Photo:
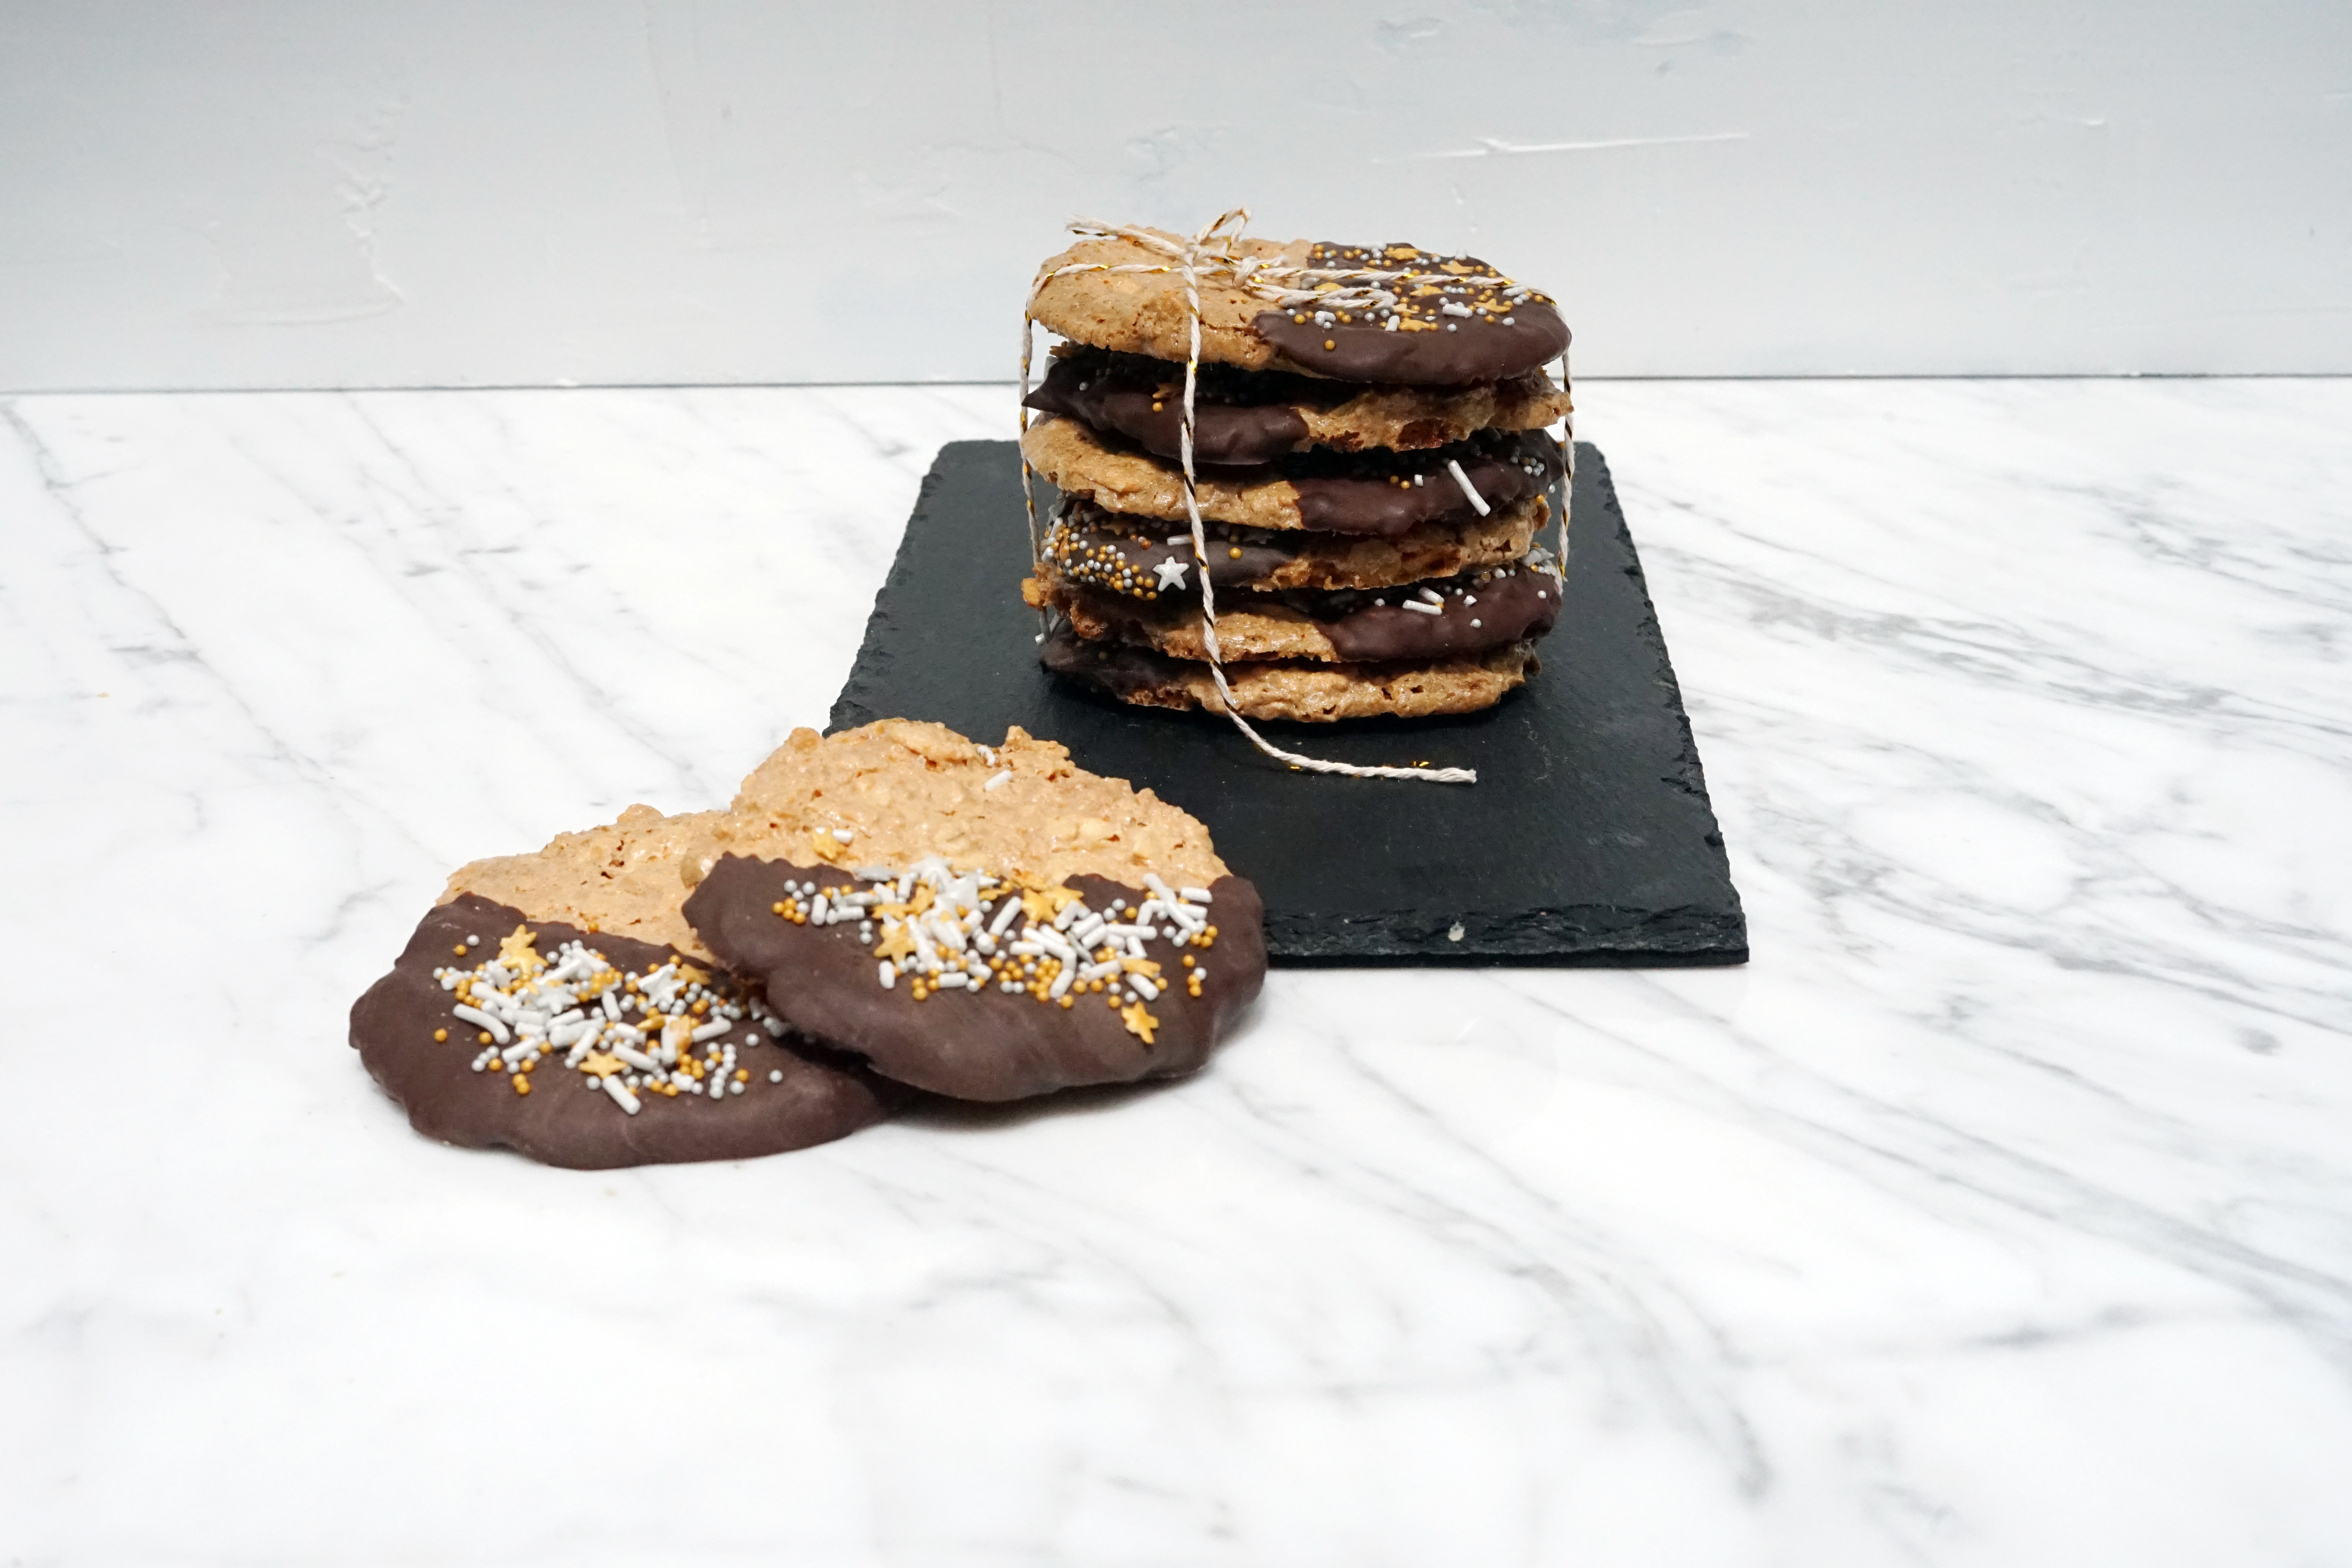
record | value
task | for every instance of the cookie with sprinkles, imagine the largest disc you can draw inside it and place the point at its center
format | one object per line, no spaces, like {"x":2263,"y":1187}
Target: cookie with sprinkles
{"x":1305,"y":691}
{"x":1469,"y":613}
{"x":1389,"y":313}
{"x":1383,"y":493}
{"x":1139,"y":556}
{"x":990,"y":922}
{"x":560,"y":1006}
{"x":1244,"y":417}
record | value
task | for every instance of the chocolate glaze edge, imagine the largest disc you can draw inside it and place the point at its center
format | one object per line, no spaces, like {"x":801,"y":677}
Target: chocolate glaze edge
{"x":1477,"y":352}
{"x":559,"y":1123}
{"x":987,"y":1046}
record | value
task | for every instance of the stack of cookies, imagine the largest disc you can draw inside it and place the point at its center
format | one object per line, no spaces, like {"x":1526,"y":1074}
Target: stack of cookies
{"x":1369,"y":458}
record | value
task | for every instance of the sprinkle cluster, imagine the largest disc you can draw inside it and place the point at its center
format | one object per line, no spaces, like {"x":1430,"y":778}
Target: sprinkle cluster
{"x":946,"y":931}
{"x":1101,"y":561}
{"x":1399,"y":289}
{"x":664,"y":1032}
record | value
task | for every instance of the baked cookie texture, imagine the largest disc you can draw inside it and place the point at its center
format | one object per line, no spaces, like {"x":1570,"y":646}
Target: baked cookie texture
{"x":990,"y":922}
{"x":626,"y":878}
{"x":1306,"y":692}
{"x":429,"y":1059}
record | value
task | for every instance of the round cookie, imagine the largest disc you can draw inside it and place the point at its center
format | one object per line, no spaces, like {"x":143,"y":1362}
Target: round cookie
{"x":1314,"y":693}
{"x":1469,"y":614}
{"x":985,"y":923}
{"x":1247,"y":418}
{"x":635,"y":1090}
{"x":1131,"y":555}
{"x":1379,"y":493}
{"x":1456,"y":322}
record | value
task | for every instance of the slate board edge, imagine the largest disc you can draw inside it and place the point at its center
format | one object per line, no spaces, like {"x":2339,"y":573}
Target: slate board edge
{"x":1592,"y":937}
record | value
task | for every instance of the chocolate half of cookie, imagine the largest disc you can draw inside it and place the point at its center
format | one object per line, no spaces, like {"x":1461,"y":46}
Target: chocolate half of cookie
{"x":1298,"y":689}
{"x":591,"y":1050}
{"x":1244,"y":417}
{"x":1456,"y":321}
{"x":1142,"y":559}
{"x":986,"y":988}
{"x":1469,"y":613}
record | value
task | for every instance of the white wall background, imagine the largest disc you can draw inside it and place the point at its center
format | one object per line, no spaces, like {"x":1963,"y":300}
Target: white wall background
{"x":478,"y":191}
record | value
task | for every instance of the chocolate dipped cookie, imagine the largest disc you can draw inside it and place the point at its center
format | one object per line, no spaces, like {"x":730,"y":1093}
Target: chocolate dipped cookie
{"x":989,"y":922}
{"x":1449,"y":320}
{"x":560,"y":1006}
{"x":1244,"y":417}
{"x":1470,"y":613}
{"x":1381,"y":493}
{"x":1298,"y":689}
{"x":1140,"y":557}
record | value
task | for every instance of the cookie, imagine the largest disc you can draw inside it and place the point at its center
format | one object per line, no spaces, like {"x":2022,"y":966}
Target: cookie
{"x":1247,"y":418}
{"x":985,"y":923}
{"x":1456,"y":322}
{"x":1131,"y":555}
{"x":1383,"y":494}
{"x":1284,"y":689}
{"x":586,"y":1048}
{"x":626,"y":878}
{"x":1468,"y":614}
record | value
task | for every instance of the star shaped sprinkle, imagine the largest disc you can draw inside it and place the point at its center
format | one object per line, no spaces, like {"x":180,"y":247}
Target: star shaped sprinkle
{"x":1138,"y":1022}
{"x":897,"y":940}
{"x":1172,"y":573}
{"x":600,"y":1063}
{"x":516,"y":952}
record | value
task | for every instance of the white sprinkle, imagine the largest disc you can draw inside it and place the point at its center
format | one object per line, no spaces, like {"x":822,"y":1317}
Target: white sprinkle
{"x":1474,"y":621}
{"x":954,"y":980}
{"x":1539,"y":593}
{"x":776,"y":1075}
{"x":475,"y":1015}
{"x":711,"y":1031}
{"x":817,"y":911}
{"x":620,"y":1095}
{"x":473,"y":941}
{"x":1455,"y":934}
{"x":1004,"y":915}
{"x":1477,"y":502}
{"x":889,"y":977}
{"x":1143,"y":982}
{"x":1422,"y":606}
{"x":998,"y":778}
{"x":1062,"y":981}
{"x":637,"y":1059}
{"x":1197,"y":895}
{"x":844,"y":834}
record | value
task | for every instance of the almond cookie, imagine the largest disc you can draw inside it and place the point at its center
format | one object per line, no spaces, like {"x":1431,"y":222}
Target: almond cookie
{"x":1453,"y":321}
{"x":1133,"y":555}
{"x":573,"y":1017}
{"x":1468,"y":614}
{"x":1310,"y":692}
{"x":1245,"y":417}
{"x":990,"y":922}
{"x":1384,"y":494}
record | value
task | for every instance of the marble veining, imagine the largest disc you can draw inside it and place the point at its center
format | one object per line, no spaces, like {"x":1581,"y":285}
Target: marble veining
{"x":1999,"y":1212}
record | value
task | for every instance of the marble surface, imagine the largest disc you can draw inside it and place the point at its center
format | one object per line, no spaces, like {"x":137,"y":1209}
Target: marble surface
{"x":1999,"y":1212}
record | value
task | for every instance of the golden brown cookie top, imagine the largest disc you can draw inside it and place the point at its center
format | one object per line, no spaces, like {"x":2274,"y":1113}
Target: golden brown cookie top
{"x":628,"y":876}
{"x":1392,"y":313}
{"x":896,"y":791}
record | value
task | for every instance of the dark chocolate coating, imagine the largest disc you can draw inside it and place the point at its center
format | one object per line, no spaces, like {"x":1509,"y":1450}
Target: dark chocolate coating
{"x":1135,"y":397}
{"x":1262,"y":553}
{"x":989,"y":1045}
{"x":1355,"y":494}
{"x":559,"y":1123}
{"x":1476,"y":351}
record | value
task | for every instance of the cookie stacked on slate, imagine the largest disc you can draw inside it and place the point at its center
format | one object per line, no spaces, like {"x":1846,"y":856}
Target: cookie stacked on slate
{"x":891,"y":909}
{"x":1372,"y":471}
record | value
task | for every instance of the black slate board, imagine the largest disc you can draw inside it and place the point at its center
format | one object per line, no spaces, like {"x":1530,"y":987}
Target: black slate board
{"x":1588,"y":838}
